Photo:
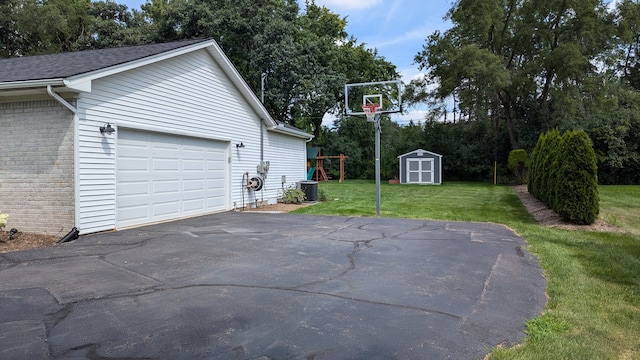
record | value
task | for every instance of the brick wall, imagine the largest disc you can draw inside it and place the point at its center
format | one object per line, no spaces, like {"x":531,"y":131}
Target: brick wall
{"x":36,"y":166}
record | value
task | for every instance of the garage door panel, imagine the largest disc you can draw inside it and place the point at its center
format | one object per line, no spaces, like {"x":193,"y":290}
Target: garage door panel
{"x":134,"y":213}
{"x":193,"y":164}
{"x":134,"y":188}
{"x":195,"y":175}
{"x":166,"y":187}
{"x":134,"y":163}
{"x":166,"y":164}
{"x":164,"y":208}
{"x":193,"y":185}
{"x":194,"y":205}
{"x":163,"y":177}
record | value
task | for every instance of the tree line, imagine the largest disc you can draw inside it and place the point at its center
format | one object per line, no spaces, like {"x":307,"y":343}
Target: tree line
{"x":513,"y":69}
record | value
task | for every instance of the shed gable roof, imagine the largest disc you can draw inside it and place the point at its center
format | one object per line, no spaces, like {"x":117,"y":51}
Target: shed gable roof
{"x":417,"y":151}
{"x":64,"y":65}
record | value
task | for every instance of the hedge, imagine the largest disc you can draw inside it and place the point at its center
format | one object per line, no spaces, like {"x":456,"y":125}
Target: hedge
{"x":563,"y":175}
{"x":577,"y":192}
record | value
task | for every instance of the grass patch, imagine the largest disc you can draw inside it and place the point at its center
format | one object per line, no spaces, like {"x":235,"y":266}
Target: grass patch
{"x":593,"y":279}
{"x":450,"y":201}
{"x":620,"y":206}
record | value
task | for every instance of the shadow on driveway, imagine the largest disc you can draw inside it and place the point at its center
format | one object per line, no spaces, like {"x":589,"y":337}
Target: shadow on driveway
{"x":272,"y":286}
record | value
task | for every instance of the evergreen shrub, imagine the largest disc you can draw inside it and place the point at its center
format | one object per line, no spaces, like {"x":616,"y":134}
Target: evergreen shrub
{"x":577,"y":187}
{"x":564,"y":175}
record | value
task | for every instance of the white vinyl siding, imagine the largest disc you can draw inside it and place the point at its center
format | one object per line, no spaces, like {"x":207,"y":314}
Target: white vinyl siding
{"x":188,"y":96}
{"x":287,"y":156}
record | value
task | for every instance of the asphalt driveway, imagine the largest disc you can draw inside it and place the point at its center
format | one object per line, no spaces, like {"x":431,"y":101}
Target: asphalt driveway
{"x":272,"y":286}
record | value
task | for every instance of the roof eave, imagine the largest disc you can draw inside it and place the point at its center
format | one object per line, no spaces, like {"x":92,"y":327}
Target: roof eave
{"x":31,"y":84}
{"x":280,"y":128}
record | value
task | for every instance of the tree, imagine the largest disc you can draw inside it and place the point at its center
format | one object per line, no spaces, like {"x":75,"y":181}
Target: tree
{"x":507,"y":61}
{"x":627,"y":20}
{"x":62,"y":25}
{"x":115,"y":25}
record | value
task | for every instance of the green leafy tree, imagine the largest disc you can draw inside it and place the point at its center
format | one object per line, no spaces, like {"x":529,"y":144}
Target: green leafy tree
{"x":35,"y":27}
{"x":627,"y":56}
{"x":116,"y":25}
{"x":506,"y":61}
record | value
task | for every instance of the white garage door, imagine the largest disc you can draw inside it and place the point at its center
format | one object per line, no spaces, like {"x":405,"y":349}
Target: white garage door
{"x":162,"y":177}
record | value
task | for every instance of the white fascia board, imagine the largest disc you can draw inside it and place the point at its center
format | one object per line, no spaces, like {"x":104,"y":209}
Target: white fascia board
{"x":292,"y":132}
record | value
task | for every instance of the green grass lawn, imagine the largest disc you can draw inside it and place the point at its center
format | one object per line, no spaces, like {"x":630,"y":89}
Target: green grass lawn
{"x":620,"y":206}
{"x":593,"y":279}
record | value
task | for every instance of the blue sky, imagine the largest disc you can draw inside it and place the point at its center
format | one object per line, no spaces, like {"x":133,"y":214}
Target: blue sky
{"x":396,"y":28}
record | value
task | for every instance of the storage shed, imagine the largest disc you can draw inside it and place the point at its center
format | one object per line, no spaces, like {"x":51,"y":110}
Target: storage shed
{"x":420,"y":167}
{"x":113,"y":138}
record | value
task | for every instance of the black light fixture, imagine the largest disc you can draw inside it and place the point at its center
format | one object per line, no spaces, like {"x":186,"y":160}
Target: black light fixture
{"x":107,"y":129}
{"x":240,"y":146}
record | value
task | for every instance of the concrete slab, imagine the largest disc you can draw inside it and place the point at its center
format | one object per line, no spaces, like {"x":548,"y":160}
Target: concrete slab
{"x":272,"y":286}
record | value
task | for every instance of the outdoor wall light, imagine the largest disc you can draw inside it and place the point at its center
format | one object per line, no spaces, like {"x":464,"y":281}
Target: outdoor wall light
{"x":240,"y":146}
{"x":107,"y":129}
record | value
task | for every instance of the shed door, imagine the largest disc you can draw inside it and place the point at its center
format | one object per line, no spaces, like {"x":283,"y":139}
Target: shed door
{"x":420,"y":171}
{"x":162,"y":177}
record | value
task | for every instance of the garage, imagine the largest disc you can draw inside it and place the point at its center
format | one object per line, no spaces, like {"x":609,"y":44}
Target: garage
{"x":162,"y":177}
{"x":136,"y":135}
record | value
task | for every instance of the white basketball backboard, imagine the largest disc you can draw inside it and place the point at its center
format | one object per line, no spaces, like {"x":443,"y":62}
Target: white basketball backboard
{"x":388,"y":94}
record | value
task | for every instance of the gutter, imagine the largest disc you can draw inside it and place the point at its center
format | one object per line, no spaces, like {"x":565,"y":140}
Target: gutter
{"x":60,"y":99}
{"x":13,"y":85}
{"x":280,"y":128}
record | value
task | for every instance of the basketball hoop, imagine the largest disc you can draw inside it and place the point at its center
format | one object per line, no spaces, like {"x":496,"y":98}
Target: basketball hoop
{"x":370,"y":110}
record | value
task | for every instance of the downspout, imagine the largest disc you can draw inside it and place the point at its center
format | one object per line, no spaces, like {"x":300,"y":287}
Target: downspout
{"x":73,"y":234}
{"x":262,"y":157}
{"x":61,"y":100}
{"x":263,"y":78}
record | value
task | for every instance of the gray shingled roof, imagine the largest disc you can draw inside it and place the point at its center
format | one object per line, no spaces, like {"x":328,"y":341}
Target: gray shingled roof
{"x":63,"y":65}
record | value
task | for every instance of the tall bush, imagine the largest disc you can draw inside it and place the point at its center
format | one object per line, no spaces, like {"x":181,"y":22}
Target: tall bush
{"x":550,"y":148}
{"x":534,"y":169}
{"x":518,"y":162}
{"x":577,"y":186}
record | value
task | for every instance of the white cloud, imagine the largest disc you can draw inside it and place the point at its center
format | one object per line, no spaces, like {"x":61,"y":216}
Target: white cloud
{"x":410,"y":73}
{"x":611,"y":6}
{"x":348,"y":4}
{"x":420,"y":33}
{"x":416,"y":116}
{"x":392,"y":14}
